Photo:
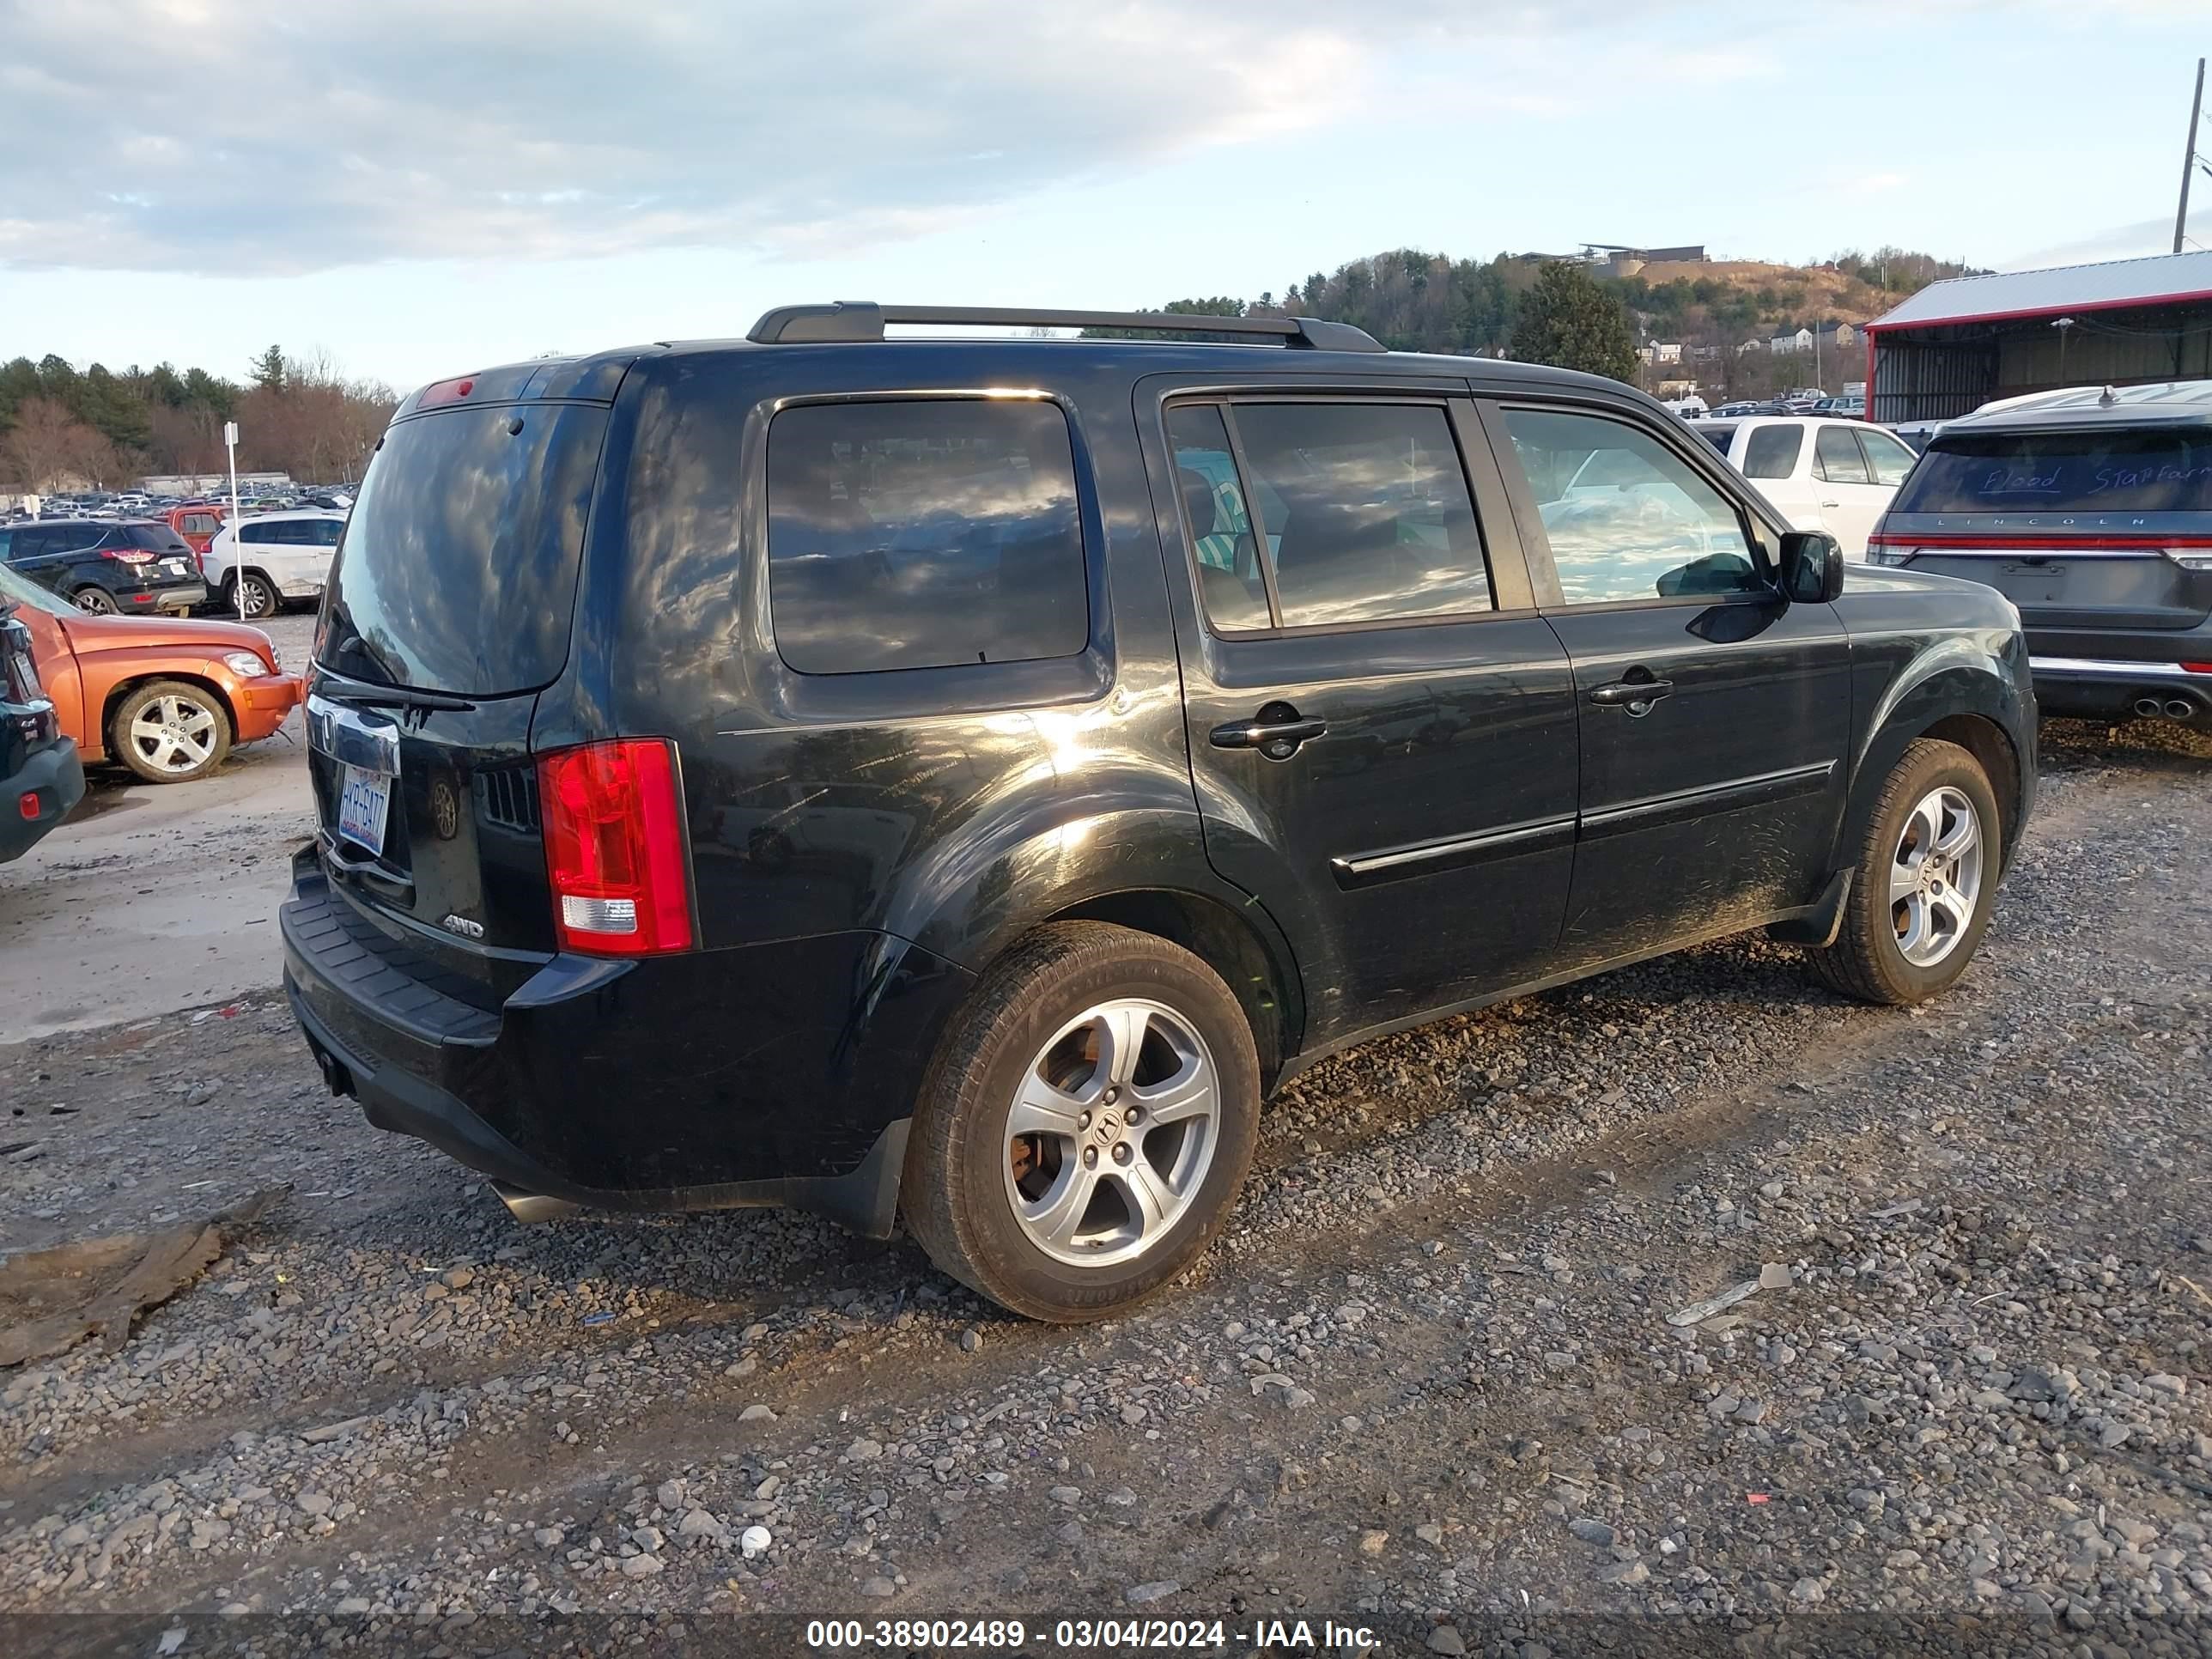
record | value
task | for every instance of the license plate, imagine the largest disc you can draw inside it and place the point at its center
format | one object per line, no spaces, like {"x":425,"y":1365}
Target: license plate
{"x":173,"y":567}
{"x":364,"y":802}
{"x":2034,"y":584}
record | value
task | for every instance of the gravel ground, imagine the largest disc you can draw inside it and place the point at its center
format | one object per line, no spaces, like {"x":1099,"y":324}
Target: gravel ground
{"x":1444,"y":1382}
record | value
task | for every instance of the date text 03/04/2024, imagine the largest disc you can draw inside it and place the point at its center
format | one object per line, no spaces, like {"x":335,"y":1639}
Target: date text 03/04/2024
{"x":1081,"y":1635}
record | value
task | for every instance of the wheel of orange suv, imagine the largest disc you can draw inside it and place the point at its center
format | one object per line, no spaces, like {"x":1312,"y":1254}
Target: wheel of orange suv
{"x":169,"y":732}
{"x":1086,"y":1124}
{"x":1927,"y":878}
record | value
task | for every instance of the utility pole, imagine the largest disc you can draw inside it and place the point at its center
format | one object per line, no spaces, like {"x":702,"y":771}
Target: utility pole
{"x":2189,"y":157}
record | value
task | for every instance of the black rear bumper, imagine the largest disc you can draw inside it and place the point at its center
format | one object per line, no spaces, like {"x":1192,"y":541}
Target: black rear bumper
{"x":2111,"y":688}
{"x":52,"y":780}
{"x":776,"y":1074}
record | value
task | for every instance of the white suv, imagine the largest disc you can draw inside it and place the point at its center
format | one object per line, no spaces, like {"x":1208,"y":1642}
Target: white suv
{"x":1836,"y":475}
{"x":286,"y":555}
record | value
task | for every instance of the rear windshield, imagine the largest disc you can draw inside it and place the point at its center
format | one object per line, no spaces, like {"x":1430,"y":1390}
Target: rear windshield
{"x":2118,"y":471}
{"x":1720,"y":437}
{"x":159,"y":538}
{"x":458,"y":572}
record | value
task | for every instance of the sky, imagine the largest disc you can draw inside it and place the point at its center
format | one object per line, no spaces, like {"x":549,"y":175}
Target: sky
{"x":423,"y":187}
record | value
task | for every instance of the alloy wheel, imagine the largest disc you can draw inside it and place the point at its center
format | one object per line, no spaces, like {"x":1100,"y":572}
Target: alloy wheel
{"x":1935,"y":877}
{"x":96,"y":600}
{"x":174,"y":733}
{"x":1111,"y":1133}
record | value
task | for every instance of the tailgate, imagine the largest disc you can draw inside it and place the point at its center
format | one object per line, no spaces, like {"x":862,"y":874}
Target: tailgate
{"x":429,"y":826}
{"x":2088,"y":584}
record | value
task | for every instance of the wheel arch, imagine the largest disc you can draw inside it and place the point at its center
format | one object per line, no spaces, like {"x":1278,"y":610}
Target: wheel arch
{"x":227,"y":582}
{"x":1264,"y":983}
{"x":1141,"y":866}
{"x":1957,"y":696}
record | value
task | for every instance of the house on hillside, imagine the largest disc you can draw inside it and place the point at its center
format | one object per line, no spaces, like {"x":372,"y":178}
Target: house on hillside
{"x":1830,"y":337}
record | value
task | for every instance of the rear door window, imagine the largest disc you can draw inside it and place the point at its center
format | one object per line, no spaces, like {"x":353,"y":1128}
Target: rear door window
{"x":459,"y":574}
{"x":1836,"y":457}
{"x":1771,"y":452}
{"x":923,"y":533}
{"x":1232,"y":581}
{"x":1886,"y":459}
{"x":1720,"y":437}
{"x":2120,"y":470}
{"x":1374,"y":523}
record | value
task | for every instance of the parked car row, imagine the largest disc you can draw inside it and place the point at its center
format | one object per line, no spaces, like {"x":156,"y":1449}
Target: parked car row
{"x":166,"y":697}
{"x":147,"y":567}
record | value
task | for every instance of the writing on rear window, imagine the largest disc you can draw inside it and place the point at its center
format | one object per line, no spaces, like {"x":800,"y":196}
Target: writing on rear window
{"x":924,"y":533}
{"x":2121,"y":471}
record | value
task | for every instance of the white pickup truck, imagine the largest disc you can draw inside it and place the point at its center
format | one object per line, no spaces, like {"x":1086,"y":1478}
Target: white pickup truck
{"x":1832,"y":475}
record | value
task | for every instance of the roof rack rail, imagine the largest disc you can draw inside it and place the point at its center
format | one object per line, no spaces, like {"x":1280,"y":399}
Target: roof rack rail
{"x":854,"y":322}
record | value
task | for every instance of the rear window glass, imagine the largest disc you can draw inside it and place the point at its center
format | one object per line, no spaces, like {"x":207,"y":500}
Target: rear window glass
{"x":1720,"y":437}
{"x":923,"y":534}
{"x":2118,"y":471}
{"x":1771,"y":452}
{"x":159,"y":538}
{"x":459,"y":571}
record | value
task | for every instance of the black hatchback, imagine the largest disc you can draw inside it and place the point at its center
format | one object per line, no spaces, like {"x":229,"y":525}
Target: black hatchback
{"x":956,"y":781}
{"x":135,"y":568}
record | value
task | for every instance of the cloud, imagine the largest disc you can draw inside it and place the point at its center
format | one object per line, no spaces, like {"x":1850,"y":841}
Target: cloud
{"x":279,"y":138}
{"x":259,"y":137}
{"x":2131,"y":241}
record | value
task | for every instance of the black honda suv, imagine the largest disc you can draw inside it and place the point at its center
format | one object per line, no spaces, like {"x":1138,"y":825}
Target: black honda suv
{"x":959,"y":779}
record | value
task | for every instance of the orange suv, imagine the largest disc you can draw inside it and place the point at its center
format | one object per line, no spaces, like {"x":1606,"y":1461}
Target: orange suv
{"x":166,"y":696}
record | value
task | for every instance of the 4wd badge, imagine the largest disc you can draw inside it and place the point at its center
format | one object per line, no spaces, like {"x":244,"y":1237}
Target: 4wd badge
{"x":463,"y":927}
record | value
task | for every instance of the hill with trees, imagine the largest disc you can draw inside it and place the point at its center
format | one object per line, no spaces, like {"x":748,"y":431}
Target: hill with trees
{"x":61,"y":426}
{"x":1414,"y":300}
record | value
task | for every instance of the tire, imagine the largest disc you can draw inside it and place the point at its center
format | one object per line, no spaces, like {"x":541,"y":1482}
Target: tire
{"x":261,"y":597}
{"x":1026,"y":1025}
{"x":1873,"y":957}
{"x":95,"y":601}
{"x":180,"y":747}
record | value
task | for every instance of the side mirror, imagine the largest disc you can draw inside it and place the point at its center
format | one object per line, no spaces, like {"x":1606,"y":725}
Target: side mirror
{"x":1812,"y":567}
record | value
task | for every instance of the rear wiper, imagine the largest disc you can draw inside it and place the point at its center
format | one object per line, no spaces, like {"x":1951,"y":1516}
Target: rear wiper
{"x":362,"y":695}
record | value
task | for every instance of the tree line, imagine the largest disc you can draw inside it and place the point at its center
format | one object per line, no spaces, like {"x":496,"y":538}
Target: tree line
{"x":61,"y":427}
{"x":1554,"y":312}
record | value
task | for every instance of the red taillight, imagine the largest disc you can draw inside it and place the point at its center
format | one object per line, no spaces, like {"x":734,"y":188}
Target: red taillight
{"x":2197,"y":668}
{"x":444,"y":391}
{"x":614,"y":849}
{"x":128,"y":555}
{"x":28,"y":805}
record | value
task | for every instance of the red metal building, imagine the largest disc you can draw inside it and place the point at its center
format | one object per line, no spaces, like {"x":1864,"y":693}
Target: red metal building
{"x":1959,"y":343}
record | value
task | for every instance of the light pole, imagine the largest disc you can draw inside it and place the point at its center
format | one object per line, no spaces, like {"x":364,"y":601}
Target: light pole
{"x":237,"y":520}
